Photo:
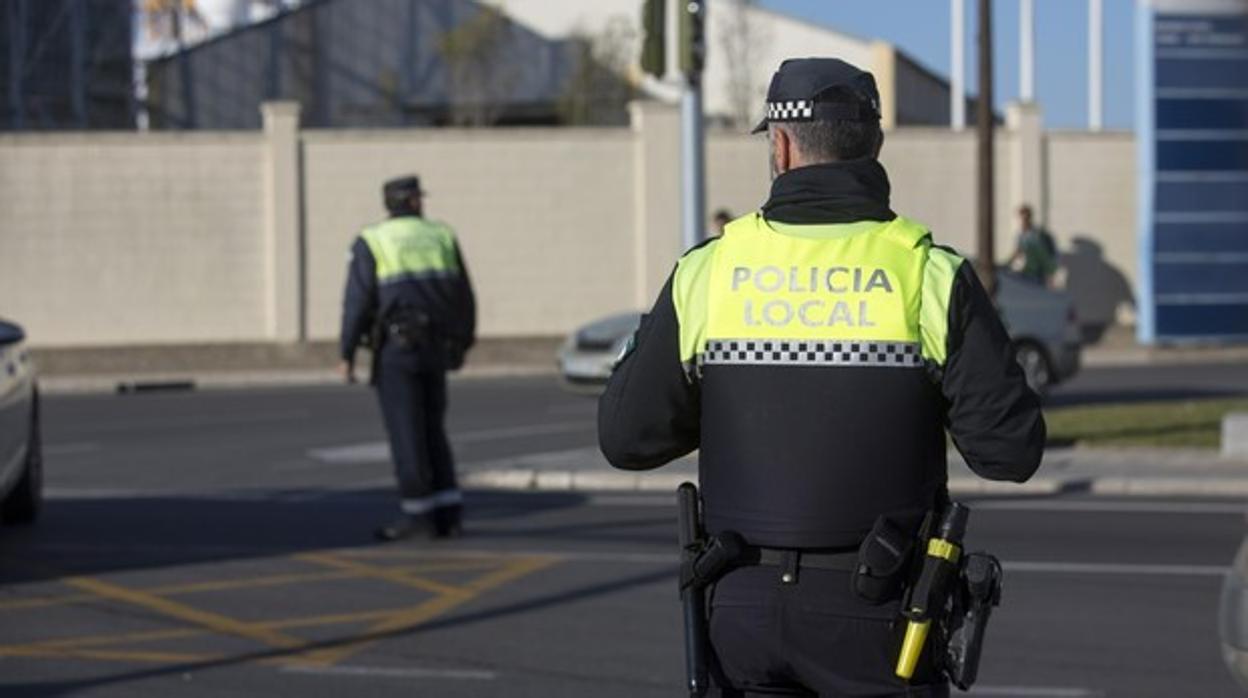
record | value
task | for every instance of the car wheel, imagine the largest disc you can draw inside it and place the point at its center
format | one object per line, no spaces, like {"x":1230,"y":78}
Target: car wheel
{"x":21,"y":506}
{"x":1035,"y":365}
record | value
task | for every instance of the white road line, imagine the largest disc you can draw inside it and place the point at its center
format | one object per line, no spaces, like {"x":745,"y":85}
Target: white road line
{"x":1035,"y":691}
{"x":195,"y":422}
{"x":394,"y":672}
{"x":480,"y":435}
{"x":69,"y":449}
{"x":1111,"y":507}
{"x":1089,"y":506}
{"x":1024,"y":567}
{"x":379,"y":451}
{"x":1102,"y":568}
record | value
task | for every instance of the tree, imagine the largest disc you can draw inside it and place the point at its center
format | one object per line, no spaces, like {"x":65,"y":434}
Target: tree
{"x":479,"y":74}
{"x":739,"y":38}
{"x":600,"y":86}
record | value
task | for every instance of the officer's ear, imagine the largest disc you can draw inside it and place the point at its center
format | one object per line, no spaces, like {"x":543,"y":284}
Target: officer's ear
{"x":781,"y":151}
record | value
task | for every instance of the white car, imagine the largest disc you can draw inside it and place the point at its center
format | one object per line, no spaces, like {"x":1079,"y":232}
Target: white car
{"x":1040,"y":320}
{"x":1233,"y":617}
{"x":21,"y":454}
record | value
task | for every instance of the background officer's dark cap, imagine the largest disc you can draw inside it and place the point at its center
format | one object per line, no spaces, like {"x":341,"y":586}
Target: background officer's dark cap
{"x":820,"y":89}
{"x":402,"y":188}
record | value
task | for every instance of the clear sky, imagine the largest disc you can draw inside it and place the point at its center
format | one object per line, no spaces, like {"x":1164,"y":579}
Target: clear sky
{"x":921,"y":29}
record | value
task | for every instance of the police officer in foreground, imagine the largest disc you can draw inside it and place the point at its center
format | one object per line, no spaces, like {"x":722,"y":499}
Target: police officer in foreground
{"x":409,"y":296}
{"x":816,"y":354}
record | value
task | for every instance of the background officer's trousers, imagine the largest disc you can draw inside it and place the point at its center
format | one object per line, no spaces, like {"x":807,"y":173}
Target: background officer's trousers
{"x":412,"y":393}
{"x":811,"y":638}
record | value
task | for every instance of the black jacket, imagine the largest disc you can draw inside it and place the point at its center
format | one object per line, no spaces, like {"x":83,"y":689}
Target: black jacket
{"x":800,"y":459}
{"x":450,"y":302}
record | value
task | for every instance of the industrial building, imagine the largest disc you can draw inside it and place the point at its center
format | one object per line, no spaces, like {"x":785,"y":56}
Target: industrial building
{"x":66,"y":64}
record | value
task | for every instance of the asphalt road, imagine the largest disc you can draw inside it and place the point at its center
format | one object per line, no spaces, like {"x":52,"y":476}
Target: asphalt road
{"x":216,"y":544}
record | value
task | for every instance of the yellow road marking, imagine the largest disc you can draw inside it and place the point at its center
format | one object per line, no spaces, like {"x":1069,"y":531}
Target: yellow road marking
{"x":514,"y":570}
{"x":73,"y":643}
{"x":107,"y":655}
{"x":422,"y":613}
{"x":396,"y":620}
{"x":394,"y":575}
{"x":231,"y":584}
{"x":188,"y":614}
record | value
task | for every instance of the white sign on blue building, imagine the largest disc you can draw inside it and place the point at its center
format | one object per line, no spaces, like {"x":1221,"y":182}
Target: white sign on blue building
{"x":1193,"y":161}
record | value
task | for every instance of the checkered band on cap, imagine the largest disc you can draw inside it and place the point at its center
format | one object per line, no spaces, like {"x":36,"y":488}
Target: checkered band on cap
{"x":802,"y":352}
{"x":792,"y":110}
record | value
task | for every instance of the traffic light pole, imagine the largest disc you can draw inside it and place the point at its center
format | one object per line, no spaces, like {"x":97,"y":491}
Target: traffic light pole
{"x":692,"y":138}
{"x":692,"y":161}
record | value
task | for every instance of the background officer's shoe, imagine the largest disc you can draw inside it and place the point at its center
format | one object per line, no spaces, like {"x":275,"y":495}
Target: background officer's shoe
{"x":448,"y":522}
{"x":407,"y":527}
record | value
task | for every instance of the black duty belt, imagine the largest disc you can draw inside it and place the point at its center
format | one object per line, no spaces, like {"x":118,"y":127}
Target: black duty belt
{"x":790,"y":561}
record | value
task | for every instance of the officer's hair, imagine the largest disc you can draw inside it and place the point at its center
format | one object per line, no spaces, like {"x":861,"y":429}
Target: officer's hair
{"x":400,"y":202}
{"x":830,"y":141}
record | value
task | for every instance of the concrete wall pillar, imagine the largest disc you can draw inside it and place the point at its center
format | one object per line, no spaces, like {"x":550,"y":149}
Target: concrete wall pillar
{"x":283,"y":223}
{"x":657,"y":202}
{"x":884,"y":67}
{"x":1027,"y":159}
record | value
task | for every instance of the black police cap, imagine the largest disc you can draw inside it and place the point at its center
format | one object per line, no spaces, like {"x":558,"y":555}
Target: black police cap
{"x":820,"y":89}
{"x":402,"y":188}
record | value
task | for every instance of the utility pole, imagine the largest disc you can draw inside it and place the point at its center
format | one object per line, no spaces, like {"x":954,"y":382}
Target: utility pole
{"x":957,"y":62}
{"x":986,"y":254}
{"x":692,"y":58}
{"x":1027,"y":51}
{"x":1096,"y":34}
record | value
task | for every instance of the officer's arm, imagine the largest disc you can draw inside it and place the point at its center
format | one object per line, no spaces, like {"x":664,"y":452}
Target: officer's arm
{"x":994,"y":418}
{"x":359,"y":302}
{"x":466,"y":318}
{"x":649,"y":413}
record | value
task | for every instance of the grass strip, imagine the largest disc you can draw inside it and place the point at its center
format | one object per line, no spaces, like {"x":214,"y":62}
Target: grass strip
{"x":1168,"y":424}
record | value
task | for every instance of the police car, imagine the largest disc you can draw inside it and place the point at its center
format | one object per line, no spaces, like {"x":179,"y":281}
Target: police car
{"x":21,"y":455}
{"x":1041,"y":321}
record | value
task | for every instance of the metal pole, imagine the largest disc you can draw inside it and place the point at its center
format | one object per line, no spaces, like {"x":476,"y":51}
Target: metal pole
{"x":957,"y":61}
{"x":1096,"y":18}
{"x":1027,"y":51}
{"x":17,"y":54}
{"x":78,"y":63}
{"x":986,"y":258}
{"x":184,"y":72}
{"x":692,"y":151}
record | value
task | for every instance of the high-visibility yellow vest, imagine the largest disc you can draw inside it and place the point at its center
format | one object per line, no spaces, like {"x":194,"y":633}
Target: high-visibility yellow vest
{"x":859,"y":294}
{"x":410,"y":247}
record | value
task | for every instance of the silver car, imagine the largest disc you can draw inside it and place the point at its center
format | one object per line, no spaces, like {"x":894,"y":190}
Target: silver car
{"x":21,"y":454}
{"x":1041,"y":321}
{"x":1044,"y":327}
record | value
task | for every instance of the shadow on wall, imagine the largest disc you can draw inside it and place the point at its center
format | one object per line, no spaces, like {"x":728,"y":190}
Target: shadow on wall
{"x":1098,"y":288}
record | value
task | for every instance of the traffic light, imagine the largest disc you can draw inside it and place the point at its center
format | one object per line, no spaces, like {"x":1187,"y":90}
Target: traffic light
{"x":654,"y":39}
{"x":692,"y":37}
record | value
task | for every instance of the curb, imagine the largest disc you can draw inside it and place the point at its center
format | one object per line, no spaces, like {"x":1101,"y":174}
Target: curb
{"x":233,"y":380}
{"x":531,"y":480}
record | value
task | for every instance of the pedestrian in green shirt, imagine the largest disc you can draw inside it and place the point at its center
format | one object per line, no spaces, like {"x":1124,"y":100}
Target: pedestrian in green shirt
{"x":1035,"y":248}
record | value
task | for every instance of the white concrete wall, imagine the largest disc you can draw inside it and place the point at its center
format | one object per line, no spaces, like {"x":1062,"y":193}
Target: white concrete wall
{"x":1091,"y":211}
{"x":544,"y":217}
{"x":117,"y":239}
{"x":185,"y":238}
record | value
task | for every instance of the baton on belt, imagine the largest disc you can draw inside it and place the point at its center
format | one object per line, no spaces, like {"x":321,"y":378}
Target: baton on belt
{"x":930,"y":594}
{"x":692,"y":596}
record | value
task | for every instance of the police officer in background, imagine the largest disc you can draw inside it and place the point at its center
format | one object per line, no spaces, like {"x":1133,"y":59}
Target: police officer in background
{"x":409,"y":296}
{"x":816,"y":353}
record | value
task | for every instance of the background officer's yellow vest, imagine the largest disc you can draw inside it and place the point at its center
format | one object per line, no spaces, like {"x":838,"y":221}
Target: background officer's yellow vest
{"x":410,"y":247}
{"x":789,"y":293}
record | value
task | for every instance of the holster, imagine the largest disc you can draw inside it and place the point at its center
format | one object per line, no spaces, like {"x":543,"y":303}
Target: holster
{"x":409,"y":328}
{"x":885,"y":559}
{"x":978,"y":592}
